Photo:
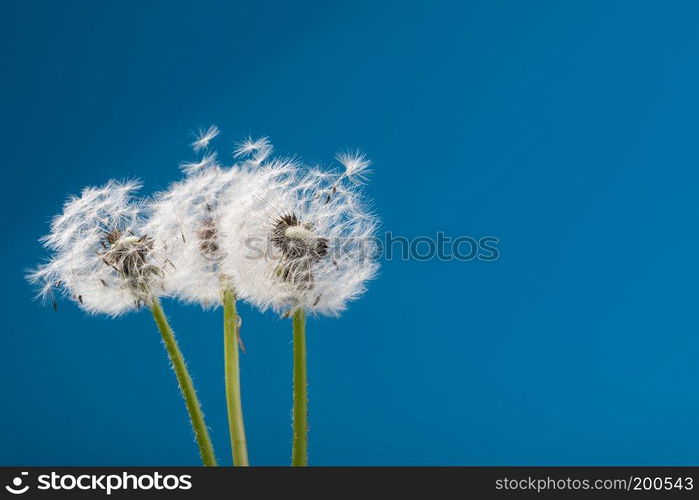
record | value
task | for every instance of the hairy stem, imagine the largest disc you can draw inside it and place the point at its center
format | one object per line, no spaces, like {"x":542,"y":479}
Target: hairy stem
{"x":201,"y":432}
{"x":299,"y":450}
{"x":236,"y":427}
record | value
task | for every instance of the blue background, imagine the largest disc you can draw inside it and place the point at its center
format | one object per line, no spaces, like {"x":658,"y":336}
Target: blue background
{"x":567,"y":129}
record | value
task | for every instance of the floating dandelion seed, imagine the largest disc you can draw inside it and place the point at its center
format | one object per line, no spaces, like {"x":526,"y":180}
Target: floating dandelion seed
{"x":356,"y":166}
{"x":208,"y":160}
{"x":204,"y":137}
{"x":256,"y":151}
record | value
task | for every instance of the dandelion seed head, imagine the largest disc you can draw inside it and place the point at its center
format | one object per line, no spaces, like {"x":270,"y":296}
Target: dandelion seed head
{"x":298,"y":239}
{"x":184,"y":224}
{"x":99,"y":256}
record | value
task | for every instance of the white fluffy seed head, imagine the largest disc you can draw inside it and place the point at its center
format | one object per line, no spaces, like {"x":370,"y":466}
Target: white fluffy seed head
{"x":100,"y":258}
{"x":298,"y":238}
{"x":184,"y":224}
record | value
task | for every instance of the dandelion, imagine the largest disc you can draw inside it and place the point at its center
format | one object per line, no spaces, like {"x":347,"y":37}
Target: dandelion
{"x":185,"y":222}
{"x":204,"y":137}
{"x":104,"y":261}
{"x":298,"y":241}
{"x":99,"y":259}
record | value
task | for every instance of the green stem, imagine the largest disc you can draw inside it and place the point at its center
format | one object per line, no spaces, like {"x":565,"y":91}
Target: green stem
{"x":236,"y":427}
{"x":299,"y":450}
{"x":196,"y":416}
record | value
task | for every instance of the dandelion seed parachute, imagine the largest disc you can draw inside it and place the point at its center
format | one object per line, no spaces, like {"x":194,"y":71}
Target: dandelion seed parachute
{"x":356,"y":166}
{"x":204,"y":137}
{"x":255,"y":151}
{"x":208,"y":160}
